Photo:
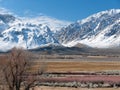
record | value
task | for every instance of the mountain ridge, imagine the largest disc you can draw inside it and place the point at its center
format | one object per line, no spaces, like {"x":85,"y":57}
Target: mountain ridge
{"x":101,"y":30}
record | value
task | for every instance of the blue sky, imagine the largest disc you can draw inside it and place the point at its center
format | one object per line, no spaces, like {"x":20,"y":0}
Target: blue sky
{"x":70,"y":10}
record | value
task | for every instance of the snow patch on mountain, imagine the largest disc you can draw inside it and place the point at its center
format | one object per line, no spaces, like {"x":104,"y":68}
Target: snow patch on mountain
{"x":26,"y":36}
{"x":54,"y":24}
{"x":101,"y":30}
{"x":109,"y":37}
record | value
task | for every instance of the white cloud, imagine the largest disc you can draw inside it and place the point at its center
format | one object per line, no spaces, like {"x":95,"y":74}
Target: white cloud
{"x":29,"y":13}
{"x":5,"y":11}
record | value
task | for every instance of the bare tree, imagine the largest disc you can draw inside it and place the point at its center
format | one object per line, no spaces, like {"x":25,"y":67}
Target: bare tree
{"x":3,"y":59}
{"x":15,"y":67}
{"x":29,"y":82}
{"x":15,"y":70}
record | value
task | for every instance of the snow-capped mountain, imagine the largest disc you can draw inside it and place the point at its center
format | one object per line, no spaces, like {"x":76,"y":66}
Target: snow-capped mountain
{"x":27,"y":33}
{"x":101,"y":30}
{"x":27,"y":36}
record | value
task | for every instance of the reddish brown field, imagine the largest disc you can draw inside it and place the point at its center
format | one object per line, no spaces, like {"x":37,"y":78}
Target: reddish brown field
{"x":86,"y":78}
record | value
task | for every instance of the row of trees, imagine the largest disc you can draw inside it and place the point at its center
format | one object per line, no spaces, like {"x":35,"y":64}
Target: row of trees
{"x":14,"y":71}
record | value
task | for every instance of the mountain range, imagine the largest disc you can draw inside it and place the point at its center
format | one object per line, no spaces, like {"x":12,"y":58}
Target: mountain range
{"x":101,"y":30}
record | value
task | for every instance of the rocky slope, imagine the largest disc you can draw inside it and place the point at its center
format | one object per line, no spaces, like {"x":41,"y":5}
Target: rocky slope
{"x":101,"y":30}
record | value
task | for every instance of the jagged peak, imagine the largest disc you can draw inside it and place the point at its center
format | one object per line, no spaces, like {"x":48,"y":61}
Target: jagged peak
{"x":53,"y":23}
{"x":110,"y":12}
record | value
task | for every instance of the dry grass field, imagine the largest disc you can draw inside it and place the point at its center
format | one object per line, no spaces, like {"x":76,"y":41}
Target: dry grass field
{"x":77,"y":66}
{"x":59,"y":65}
